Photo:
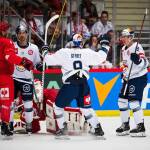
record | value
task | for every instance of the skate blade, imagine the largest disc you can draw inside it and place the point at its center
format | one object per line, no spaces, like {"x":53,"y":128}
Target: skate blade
{"x":141,"y":134}
{"x":23,"y":132}
{"x":65,"y":137}
{"x":7,"y":138}
{"x":29,"y":133}
{"x":123,"y":133}
{"x":99,"y":137}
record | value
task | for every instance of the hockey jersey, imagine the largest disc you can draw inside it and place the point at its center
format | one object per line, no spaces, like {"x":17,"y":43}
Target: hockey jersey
{"x":7,"y":57}
{"x":137,"y":70}
{"x":75,"y":60}
{"x":31,"y":52}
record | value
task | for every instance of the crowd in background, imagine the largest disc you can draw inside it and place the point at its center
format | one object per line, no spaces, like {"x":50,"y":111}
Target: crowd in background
{"x":88,"y":22}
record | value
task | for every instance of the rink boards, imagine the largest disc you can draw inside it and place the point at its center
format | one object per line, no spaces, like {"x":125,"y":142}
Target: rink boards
{"x":105,"y":85}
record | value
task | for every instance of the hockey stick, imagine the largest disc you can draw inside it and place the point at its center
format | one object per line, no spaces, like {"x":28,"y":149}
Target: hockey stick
{"x":47,"y":25}
{"x":43,"y":72}
{"x":139,"y":36}
{"x":34,"y":91}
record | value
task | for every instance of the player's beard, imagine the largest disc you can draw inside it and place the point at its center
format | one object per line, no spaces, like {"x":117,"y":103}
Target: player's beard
{"x":22,"y":39}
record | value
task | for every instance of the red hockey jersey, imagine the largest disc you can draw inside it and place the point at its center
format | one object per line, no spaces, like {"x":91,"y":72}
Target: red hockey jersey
{"x":7,"y":57}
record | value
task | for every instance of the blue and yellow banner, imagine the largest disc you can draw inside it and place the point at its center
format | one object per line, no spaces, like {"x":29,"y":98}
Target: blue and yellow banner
{"x":105,"y":85}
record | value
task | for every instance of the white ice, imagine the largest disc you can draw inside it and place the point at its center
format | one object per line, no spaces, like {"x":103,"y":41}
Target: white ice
{"x":45,"y":141}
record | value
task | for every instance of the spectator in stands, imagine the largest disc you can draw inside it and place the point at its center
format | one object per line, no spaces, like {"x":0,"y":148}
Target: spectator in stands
{"x":35,"y":23}
{"x":58,"y":40}
{"x":93,"y":43}
{"x":77,"y":26}
{"x":56,"y":5}
{"x":88,"y":12}
{"x":102,"y":26}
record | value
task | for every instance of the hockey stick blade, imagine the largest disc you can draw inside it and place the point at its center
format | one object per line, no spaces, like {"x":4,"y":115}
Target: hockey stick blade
{"x":47,"y":25}
{"x":99,"y":138}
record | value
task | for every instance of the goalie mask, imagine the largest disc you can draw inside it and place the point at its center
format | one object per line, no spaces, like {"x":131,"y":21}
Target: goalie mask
{"x":77,"y":40}
{"x":127,"y":32}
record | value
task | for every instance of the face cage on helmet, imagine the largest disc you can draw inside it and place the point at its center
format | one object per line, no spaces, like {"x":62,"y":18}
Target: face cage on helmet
{"x":77,"y":43}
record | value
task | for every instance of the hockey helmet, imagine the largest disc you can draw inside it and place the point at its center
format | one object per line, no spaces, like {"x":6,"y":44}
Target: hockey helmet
{"x":77,"y":40}
{"x":127,"y":32}
{"x":4,"y":26}
{"x":21,"y":28}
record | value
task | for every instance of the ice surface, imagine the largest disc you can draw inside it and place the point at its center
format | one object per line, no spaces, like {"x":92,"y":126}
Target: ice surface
{"x":45,"y":141}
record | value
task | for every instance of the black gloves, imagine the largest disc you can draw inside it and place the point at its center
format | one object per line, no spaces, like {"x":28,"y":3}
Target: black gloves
{"x":105,"y":39}
{"x":26,"y":63}
{"x":45,"y":49}
{"x":135,"y":58}
{"x":39,"y":66}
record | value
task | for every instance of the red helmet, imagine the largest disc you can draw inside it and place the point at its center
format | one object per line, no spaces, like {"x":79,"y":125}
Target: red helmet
{"x":4,"y":26}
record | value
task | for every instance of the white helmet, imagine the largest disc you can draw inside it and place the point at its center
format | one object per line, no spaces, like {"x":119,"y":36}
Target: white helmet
{"x":21,"y":28}
{"x":77,"y":40}
{"x":127,"y":32}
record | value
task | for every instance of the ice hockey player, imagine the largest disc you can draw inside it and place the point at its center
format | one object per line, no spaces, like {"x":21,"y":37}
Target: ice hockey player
{"x":7,"y":60}
{"x":22,"y":77}
{"x":75,"y":64}
{"x":136,"y":85}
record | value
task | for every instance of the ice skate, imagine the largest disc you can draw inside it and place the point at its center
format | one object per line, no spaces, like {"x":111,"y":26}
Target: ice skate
{"x":98,"y":132}
{"x":62,"y":133}
{"x":11,"y":126}
{"x":124,"y":129}
{"x":139,"y":131}
{"x":5,"y":131}
{"x":29,"y":128}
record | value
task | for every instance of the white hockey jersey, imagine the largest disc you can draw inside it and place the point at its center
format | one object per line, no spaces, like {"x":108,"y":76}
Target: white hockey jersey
{"x":75,"y":60}
{"x":137,"y":70}
{"x":32,"y":53}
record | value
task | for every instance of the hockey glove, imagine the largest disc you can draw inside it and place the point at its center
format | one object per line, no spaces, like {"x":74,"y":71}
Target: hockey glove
{"x":105,"y":39}
{"x":39,"y":66}
{"x":26,"y":63}
{"x":45,"y":49}
{"x":135,"y":58}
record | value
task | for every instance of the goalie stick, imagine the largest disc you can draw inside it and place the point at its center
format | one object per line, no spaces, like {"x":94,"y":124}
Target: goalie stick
{"x":45,"y":42}
{"x":126,"y":85}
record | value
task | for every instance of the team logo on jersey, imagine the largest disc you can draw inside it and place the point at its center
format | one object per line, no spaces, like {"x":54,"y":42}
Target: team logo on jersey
{"x":131,"y":88}
{"x":20,"y":68}
{"x":30,"y":52}
{"x":87,"y":100}
{"x":104,"y":88}
{"x":26,"y":88}
{"x":4,"y":93}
